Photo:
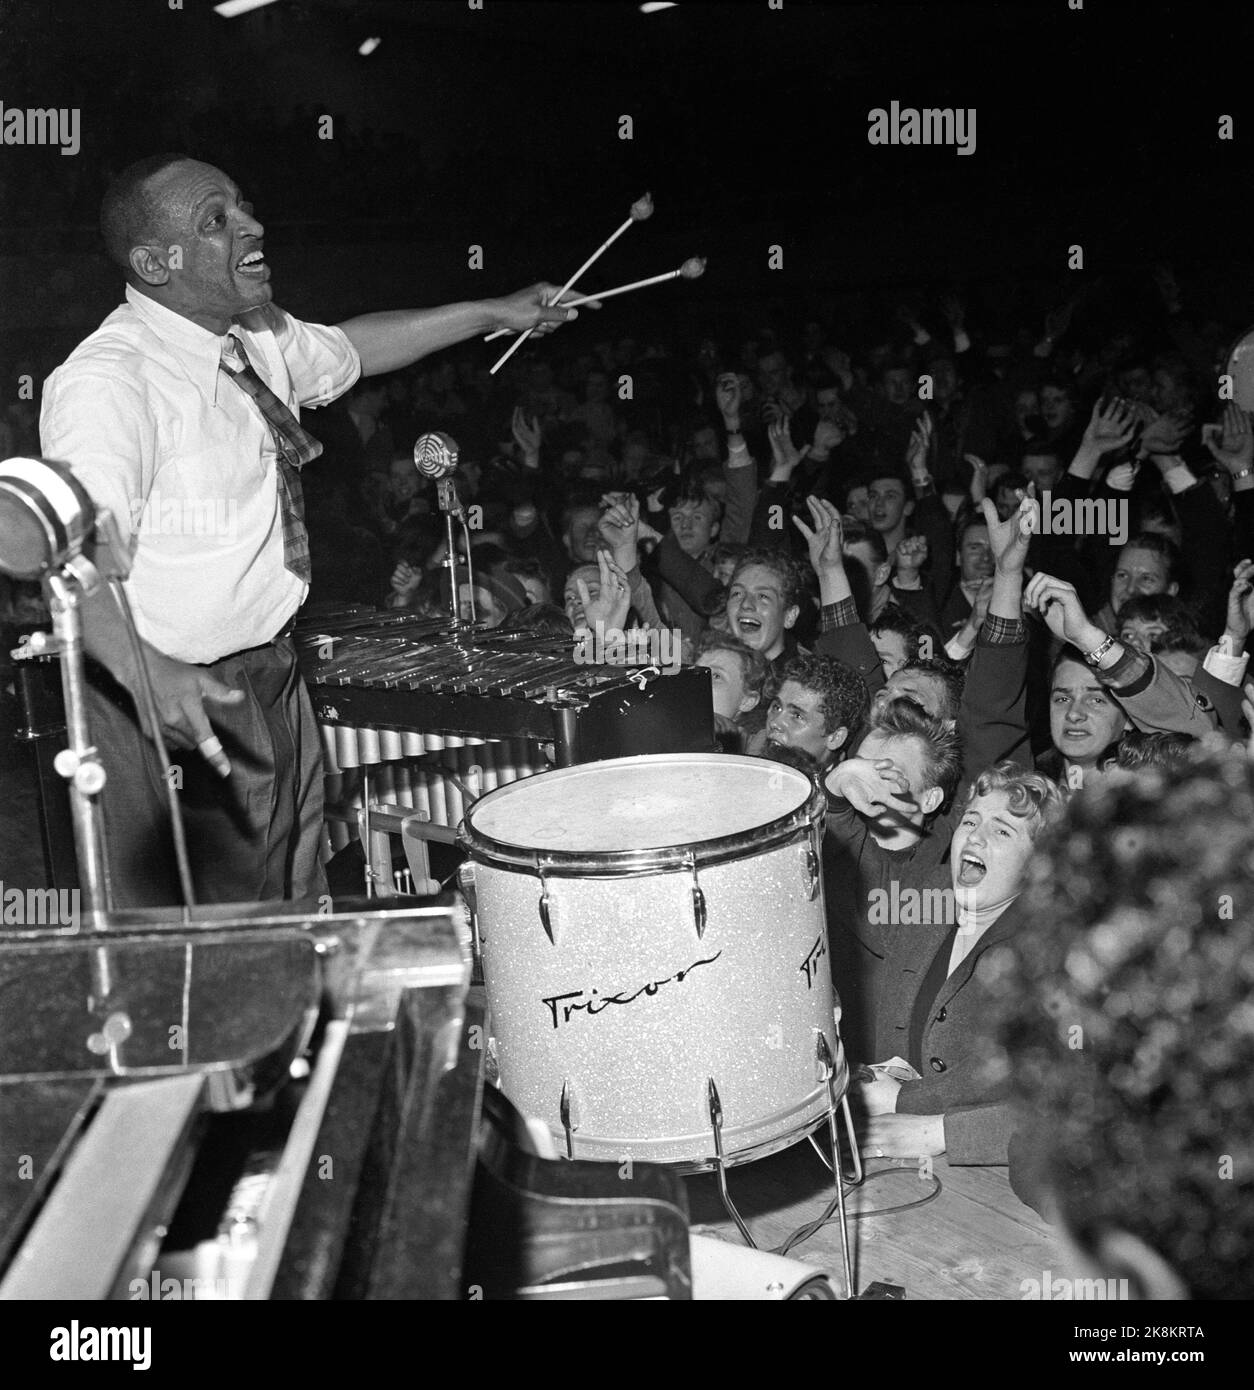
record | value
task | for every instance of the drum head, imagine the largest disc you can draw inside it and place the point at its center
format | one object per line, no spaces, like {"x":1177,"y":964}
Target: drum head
{"x":623,"y":806}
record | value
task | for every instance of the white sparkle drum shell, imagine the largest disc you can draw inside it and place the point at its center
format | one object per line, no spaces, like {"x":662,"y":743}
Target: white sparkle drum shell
{"x":647,"y":925}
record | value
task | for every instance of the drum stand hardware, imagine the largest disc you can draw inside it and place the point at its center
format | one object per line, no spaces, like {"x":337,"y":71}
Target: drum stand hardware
{"x":568,"y":1108}
{"x":542,"y":864}
{"x":827,"y":1067}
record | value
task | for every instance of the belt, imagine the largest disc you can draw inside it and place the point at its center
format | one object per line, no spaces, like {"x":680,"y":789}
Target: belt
{"x":288,"y":628}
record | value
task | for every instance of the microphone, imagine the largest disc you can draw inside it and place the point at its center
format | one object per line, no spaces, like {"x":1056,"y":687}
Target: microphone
{"x":435,"y":454}
{"x":45,"y":517}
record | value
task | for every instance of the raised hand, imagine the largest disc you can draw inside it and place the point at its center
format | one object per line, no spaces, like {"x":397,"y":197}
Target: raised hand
{"x":533,"y":310}
{"x":1235,"y":449}
{"x":613,"y":601}
{"x":527,"y":433}
{"x":1009,"y":539}
{"x":1241,"y":603}
{"x":979,"y":478}
{"x":920,"y":447}
{"x":1060,"y":606}
{"x":871,"y":787}
{"x":783,"y":450}
{"x":911,"y":556}
{"x":620,"y":527}
{"x":727,"y":394}
{"x":824,"y":540}
{"x":1110,"y":427}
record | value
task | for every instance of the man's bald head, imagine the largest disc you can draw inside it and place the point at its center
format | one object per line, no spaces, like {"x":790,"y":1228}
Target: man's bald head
{"x":132,"y":212}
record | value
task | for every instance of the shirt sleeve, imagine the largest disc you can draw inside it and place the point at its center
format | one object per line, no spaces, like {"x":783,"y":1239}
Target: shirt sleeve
{"x":99,"y":427}
{"x":320,"y":360}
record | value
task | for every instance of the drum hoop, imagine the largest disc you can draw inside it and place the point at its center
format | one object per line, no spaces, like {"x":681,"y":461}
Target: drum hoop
{"x":792,"y":828}
{"x":55,"y":532}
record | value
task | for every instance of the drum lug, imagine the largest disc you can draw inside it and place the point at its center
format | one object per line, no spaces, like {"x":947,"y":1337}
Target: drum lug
{"x":812,"y":867}
{"x":699,"y":913}
{"x":568,"y":1108}
{"x":546,"y":906}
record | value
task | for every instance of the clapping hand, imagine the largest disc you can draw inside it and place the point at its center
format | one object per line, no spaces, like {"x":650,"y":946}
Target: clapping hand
{"x":1241,"y":603}
{"x":919,"y":448}
{"x":405,"y":581}
{"x":783,"y":450}
{"x":911,"y":556}
{"x":1163,"y":436}
{"x":526,"y":432}
{"x":727,"y":394}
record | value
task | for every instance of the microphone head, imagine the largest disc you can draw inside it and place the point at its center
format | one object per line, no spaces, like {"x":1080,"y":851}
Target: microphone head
{"x":45,"y":516}
{"x":642,"y":208}
{"x":693,"y":268}
{"x":435,"y":454}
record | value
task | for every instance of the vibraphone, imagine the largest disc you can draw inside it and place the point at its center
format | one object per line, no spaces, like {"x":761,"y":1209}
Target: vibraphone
{"x":418,"y":718}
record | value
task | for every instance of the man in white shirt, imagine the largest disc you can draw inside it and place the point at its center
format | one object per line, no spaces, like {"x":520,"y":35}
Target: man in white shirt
{"x":200,"y":481}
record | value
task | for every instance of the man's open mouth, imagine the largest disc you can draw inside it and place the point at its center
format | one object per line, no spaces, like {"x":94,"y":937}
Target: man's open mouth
{"x":253,"y":265}
{"x":1077,"y":733}
{"x":748,"y":623}
{"x":971,"y":870}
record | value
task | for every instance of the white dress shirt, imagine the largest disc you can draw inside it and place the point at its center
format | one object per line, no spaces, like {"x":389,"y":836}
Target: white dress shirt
{"x":185,"y":462}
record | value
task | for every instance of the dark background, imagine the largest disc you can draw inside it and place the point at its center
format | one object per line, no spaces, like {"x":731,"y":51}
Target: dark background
{"x":500,"y":128}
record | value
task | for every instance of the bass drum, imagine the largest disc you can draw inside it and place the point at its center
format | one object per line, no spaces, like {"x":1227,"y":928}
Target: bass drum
{"x":648,"y":926}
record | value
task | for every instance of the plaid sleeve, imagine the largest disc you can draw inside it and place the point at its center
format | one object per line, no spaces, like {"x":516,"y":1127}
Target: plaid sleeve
{"x":843,"y":613}
{"x":1003,"y":632}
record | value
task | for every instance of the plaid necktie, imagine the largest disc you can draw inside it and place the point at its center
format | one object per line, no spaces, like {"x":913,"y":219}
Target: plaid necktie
{"x":295,"y":447}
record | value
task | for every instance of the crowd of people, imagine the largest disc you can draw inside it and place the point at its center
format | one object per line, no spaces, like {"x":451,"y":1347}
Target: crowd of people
{"x":965,"y":583}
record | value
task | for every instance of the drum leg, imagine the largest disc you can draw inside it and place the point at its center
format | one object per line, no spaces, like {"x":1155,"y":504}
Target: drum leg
{"x":720,"y":1168}
{"x":829,"y":1067}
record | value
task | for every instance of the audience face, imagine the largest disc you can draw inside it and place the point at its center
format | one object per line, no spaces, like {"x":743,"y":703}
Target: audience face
{"x":858,"y":504}
{"x":897,"y":385}
{"x":827,"y":403}
{"x":1083,"y":720}
{"x":403,"y":480}
{"x":1027,"y":406}
{"x":908,"y":757}
{"x":773,"y":374}
{"x":888,"y":505}
{"x":694,"y":526}
{"x":925,"y":689}
{"x":1141,"y":632}
{"x":1138,"y":572}
{"x":727,"y":683}
{"x":795,"y":720}
{"x":1136,"y":384}
{"x":893,"y":650}
{"x":1042,"y":469}
{"x":975,"y":557}
{"x":488,"y":609}
{"x":990,"y":851}
{"x":724,"y":569}
{"x":756,"y":612}
{"x":583,"y":535}
{"x":1057,"y":409}
{"x":705,"y":446}
{"x":944,"y":380}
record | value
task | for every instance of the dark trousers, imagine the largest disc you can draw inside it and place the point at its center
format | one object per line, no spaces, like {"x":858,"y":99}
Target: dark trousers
{"x":251,"y":837}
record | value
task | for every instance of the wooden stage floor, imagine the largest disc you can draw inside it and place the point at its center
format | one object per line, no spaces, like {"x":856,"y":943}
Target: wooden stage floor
{"x":976,"y":1240}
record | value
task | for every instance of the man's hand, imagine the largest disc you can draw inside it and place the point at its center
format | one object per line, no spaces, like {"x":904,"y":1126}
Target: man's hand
{"x":871,"y":787}
{"x":1235,"y":449}
{"x":1060,"y":606}
{"x":1009,"y":539}
{"x":903,"y":1136}
{"x":180,"y":693}
{"x":727,"y":395}
{"x":1247,"y":709}
{"x":825,"y":540}
{"x":1122,"y":476}
{"x":1241,"y":604}
{"x":1110,"y":428}
{"x":979,"y":478}
{"x":533,"y":309}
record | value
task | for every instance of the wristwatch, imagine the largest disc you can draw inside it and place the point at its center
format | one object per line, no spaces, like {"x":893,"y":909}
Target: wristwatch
{"x":1096,"y":655}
